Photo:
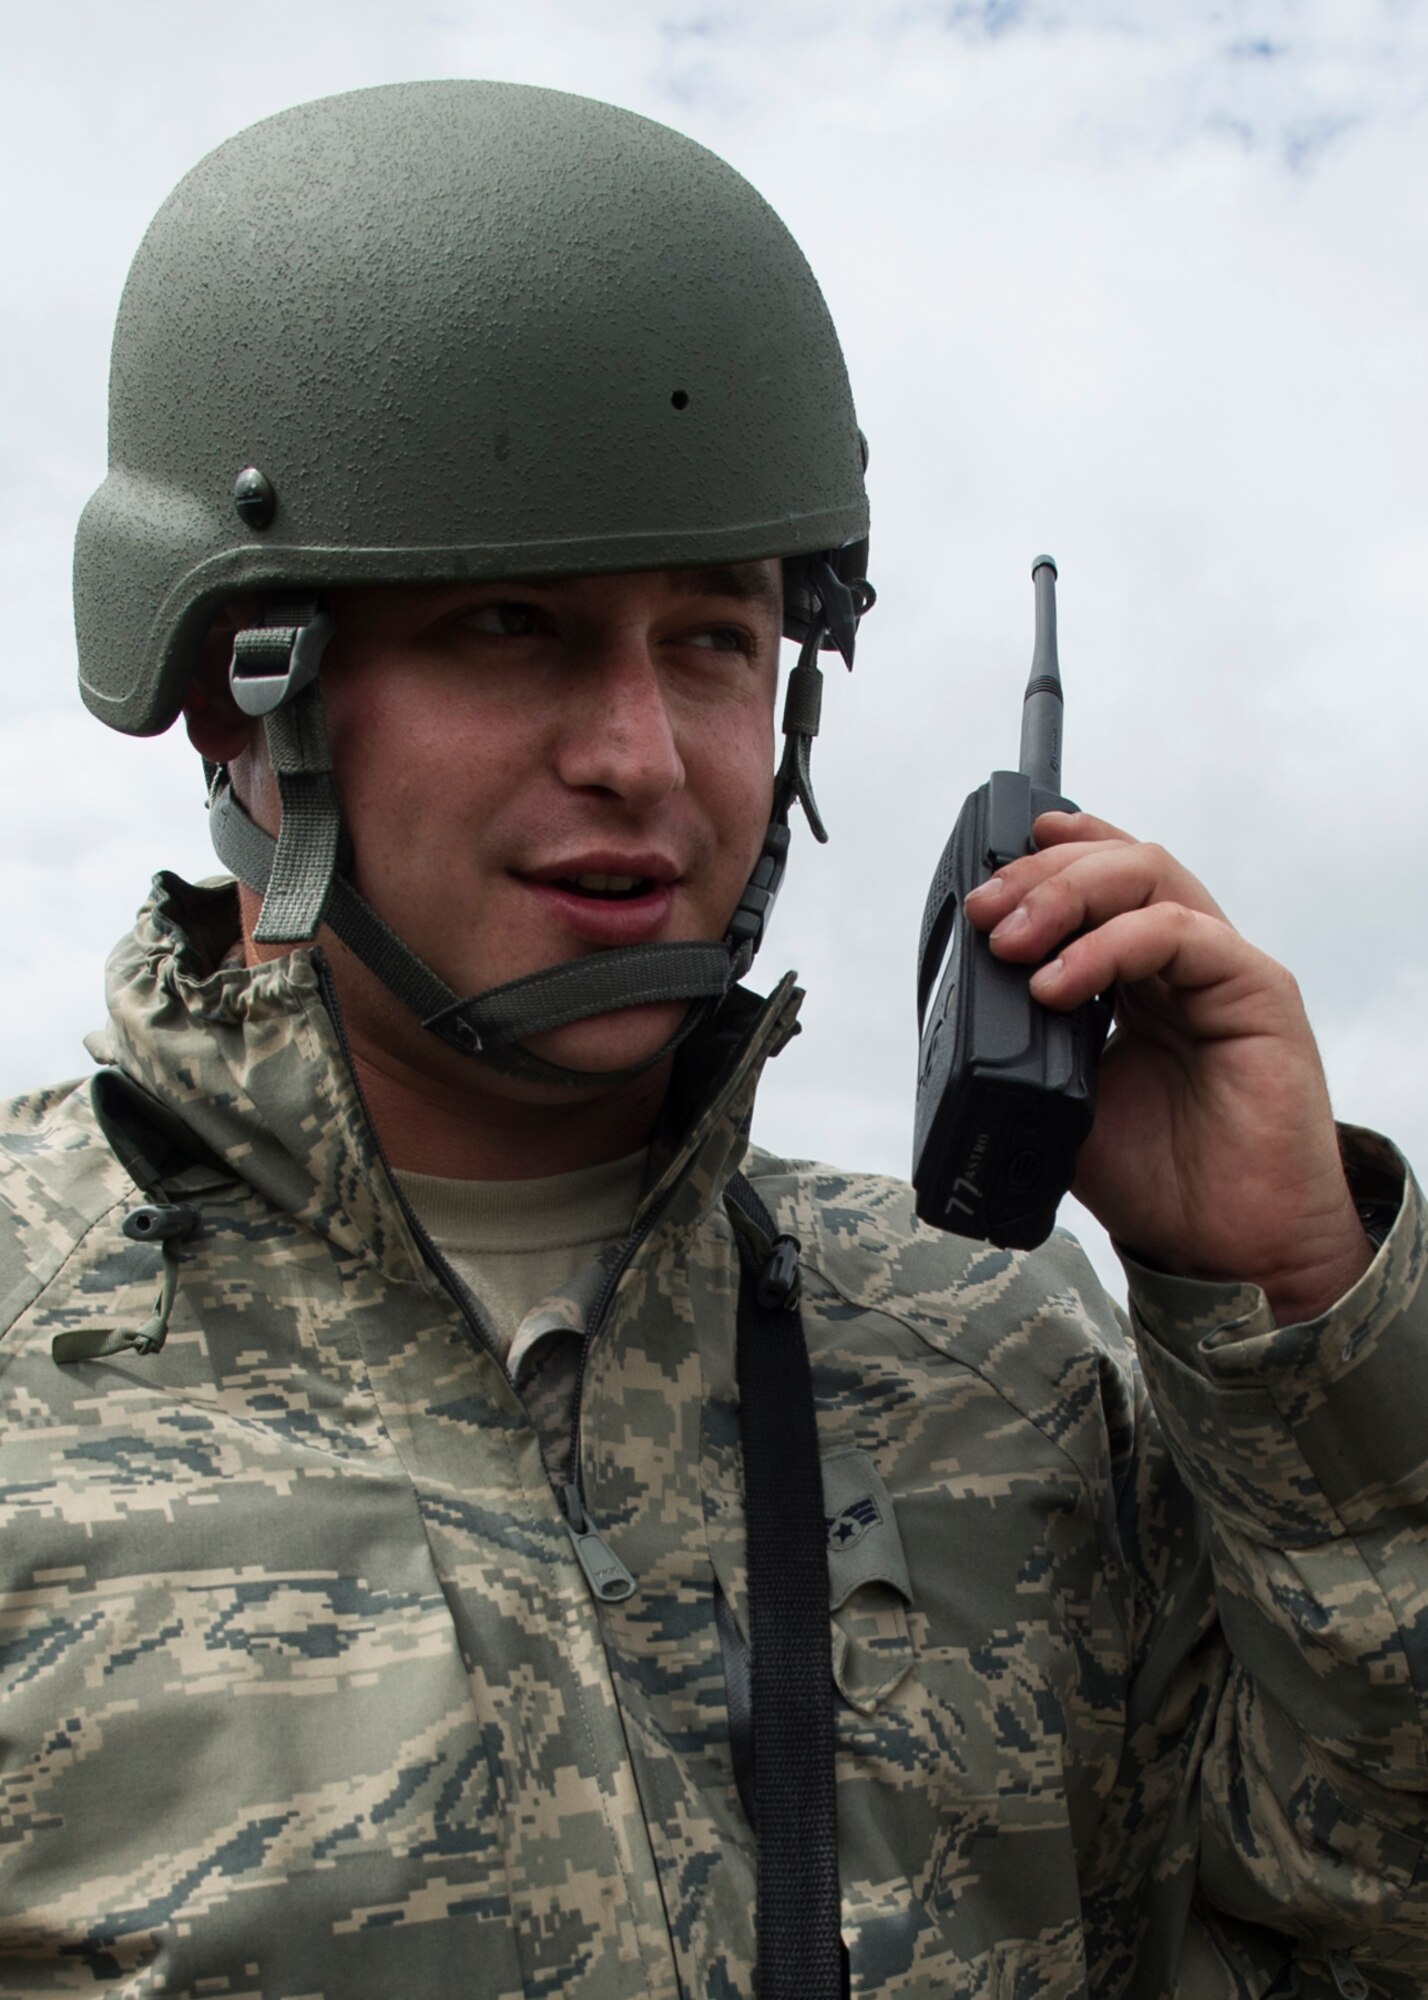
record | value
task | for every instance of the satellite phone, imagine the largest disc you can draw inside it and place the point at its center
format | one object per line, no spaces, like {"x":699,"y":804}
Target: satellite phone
{"x":1005,"y":1086}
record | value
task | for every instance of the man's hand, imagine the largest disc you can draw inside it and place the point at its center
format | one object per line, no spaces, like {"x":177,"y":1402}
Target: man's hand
{"x":1213,"y":1153}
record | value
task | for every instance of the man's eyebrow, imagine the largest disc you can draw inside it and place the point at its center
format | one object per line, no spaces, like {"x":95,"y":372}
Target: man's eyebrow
{"x":747,"y":583}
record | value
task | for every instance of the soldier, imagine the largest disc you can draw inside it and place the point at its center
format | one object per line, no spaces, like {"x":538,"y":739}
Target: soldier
{"x":378,"y":1532}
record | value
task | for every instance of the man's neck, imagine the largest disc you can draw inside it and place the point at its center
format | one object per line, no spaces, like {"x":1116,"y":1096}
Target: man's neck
{"x":474,"y":1132}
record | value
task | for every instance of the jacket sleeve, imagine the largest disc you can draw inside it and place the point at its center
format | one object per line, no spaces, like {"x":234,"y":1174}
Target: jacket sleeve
{"x":1306,"y":1449}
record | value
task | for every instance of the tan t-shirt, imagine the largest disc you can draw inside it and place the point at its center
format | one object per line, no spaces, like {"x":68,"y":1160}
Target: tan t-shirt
{"x":530,"y":1252}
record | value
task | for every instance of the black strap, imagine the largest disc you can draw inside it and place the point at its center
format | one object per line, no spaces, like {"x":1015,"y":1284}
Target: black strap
{"x":800,"y":1949}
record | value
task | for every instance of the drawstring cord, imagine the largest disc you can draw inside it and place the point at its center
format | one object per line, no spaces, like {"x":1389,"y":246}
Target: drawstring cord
{"x":168,"y":1224}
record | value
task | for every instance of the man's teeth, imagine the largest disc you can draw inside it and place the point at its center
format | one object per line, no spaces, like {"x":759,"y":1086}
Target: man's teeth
{"x":606,"y":885}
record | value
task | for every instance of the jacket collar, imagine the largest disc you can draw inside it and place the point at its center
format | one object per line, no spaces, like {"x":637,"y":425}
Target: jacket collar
{"x":251,"y":1060}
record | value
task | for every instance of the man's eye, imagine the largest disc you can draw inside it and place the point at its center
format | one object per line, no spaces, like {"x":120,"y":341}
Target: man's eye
{"x":503,"y":620}
{"x":722,"y":638}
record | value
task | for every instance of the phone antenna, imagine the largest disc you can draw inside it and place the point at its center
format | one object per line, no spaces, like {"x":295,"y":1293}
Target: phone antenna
{"x":1041,"y":709}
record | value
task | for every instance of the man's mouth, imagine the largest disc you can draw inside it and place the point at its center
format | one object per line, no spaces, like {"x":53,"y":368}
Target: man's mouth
{"x":606,"y":888}
{"x":604,"y":904}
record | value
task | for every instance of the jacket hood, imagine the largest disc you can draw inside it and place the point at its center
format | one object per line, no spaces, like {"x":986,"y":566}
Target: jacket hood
{"x":251,"y":1060}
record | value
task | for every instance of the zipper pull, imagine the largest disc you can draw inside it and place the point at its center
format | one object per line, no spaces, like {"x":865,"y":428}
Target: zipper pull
{"x":1350,"y":1981}
{"x":606,"y":1575}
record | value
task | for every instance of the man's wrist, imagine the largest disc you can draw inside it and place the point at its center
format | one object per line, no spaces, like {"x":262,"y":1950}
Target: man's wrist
{"x":1300,"y":1298}
{"x":1298,"y":1294}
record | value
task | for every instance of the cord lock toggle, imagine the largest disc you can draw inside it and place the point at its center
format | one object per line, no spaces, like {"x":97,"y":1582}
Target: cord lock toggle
{"x":778,"y":1281}
{"x":160,"y":1222}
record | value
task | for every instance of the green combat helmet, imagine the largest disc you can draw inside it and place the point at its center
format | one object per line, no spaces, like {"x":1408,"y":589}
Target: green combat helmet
{"x":445,"y":331}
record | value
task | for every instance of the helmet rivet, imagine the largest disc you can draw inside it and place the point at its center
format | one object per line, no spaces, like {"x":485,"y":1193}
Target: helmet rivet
{"x":254,"y":497}
{"x":680,"y":399}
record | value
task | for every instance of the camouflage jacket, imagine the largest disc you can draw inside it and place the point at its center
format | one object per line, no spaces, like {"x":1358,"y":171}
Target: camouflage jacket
{"x":305,"y":1692}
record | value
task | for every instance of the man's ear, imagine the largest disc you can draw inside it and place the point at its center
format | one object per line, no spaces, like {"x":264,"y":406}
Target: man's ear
{"x":217,"y":728}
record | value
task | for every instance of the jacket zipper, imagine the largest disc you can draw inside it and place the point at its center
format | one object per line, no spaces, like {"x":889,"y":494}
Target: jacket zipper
{"x":607,"y":1576}
{"x":1347,"y":1978}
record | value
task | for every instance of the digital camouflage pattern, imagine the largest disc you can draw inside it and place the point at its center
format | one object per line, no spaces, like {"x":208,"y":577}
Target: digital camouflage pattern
{"x":305,"y":1693}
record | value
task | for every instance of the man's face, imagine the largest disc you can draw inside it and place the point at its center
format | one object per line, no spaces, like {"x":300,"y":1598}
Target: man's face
{"x":534,"y":772}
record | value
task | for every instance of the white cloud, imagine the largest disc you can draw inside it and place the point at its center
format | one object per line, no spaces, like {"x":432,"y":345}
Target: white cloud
{"x":1146,"y":285}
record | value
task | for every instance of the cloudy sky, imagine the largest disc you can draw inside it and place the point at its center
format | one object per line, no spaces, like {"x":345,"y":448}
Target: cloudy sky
{"x":1143,"y":284}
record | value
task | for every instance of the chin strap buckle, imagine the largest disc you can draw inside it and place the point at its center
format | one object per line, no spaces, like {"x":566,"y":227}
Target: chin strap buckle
{"x":273,"y":675}
{"x":843,"y":605}
{"x":802,"y":711}
{"x":836,"y":610}
{"x":749,"y":921}
{"x":276,"y":660}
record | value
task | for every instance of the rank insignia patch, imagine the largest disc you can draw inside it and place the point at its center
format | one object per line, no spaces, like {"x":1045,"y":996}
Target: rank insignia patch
{"x":848,"y":1528}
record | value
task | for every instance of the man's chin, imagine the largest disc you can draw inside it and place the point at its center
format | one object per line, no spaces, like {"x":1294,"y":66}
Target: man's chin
{"x":606,"y":1045}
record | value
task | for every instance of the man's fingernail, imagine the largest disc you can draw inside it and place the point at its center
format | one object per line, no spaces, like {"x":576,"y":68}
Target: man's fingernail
{"x":993,"y":886}
{"x":1047,"y":977}
{"x":1010,"y":925}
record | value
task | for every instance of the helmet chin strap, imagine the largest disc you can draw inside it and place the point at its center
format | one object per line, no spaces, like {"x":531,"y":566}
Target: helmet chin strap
{"x":302,"y":880}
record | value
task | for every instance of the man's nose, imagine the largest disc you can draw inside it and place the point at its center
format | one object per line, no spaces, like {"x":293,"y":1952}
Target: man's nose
{"x":616,"y":731}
